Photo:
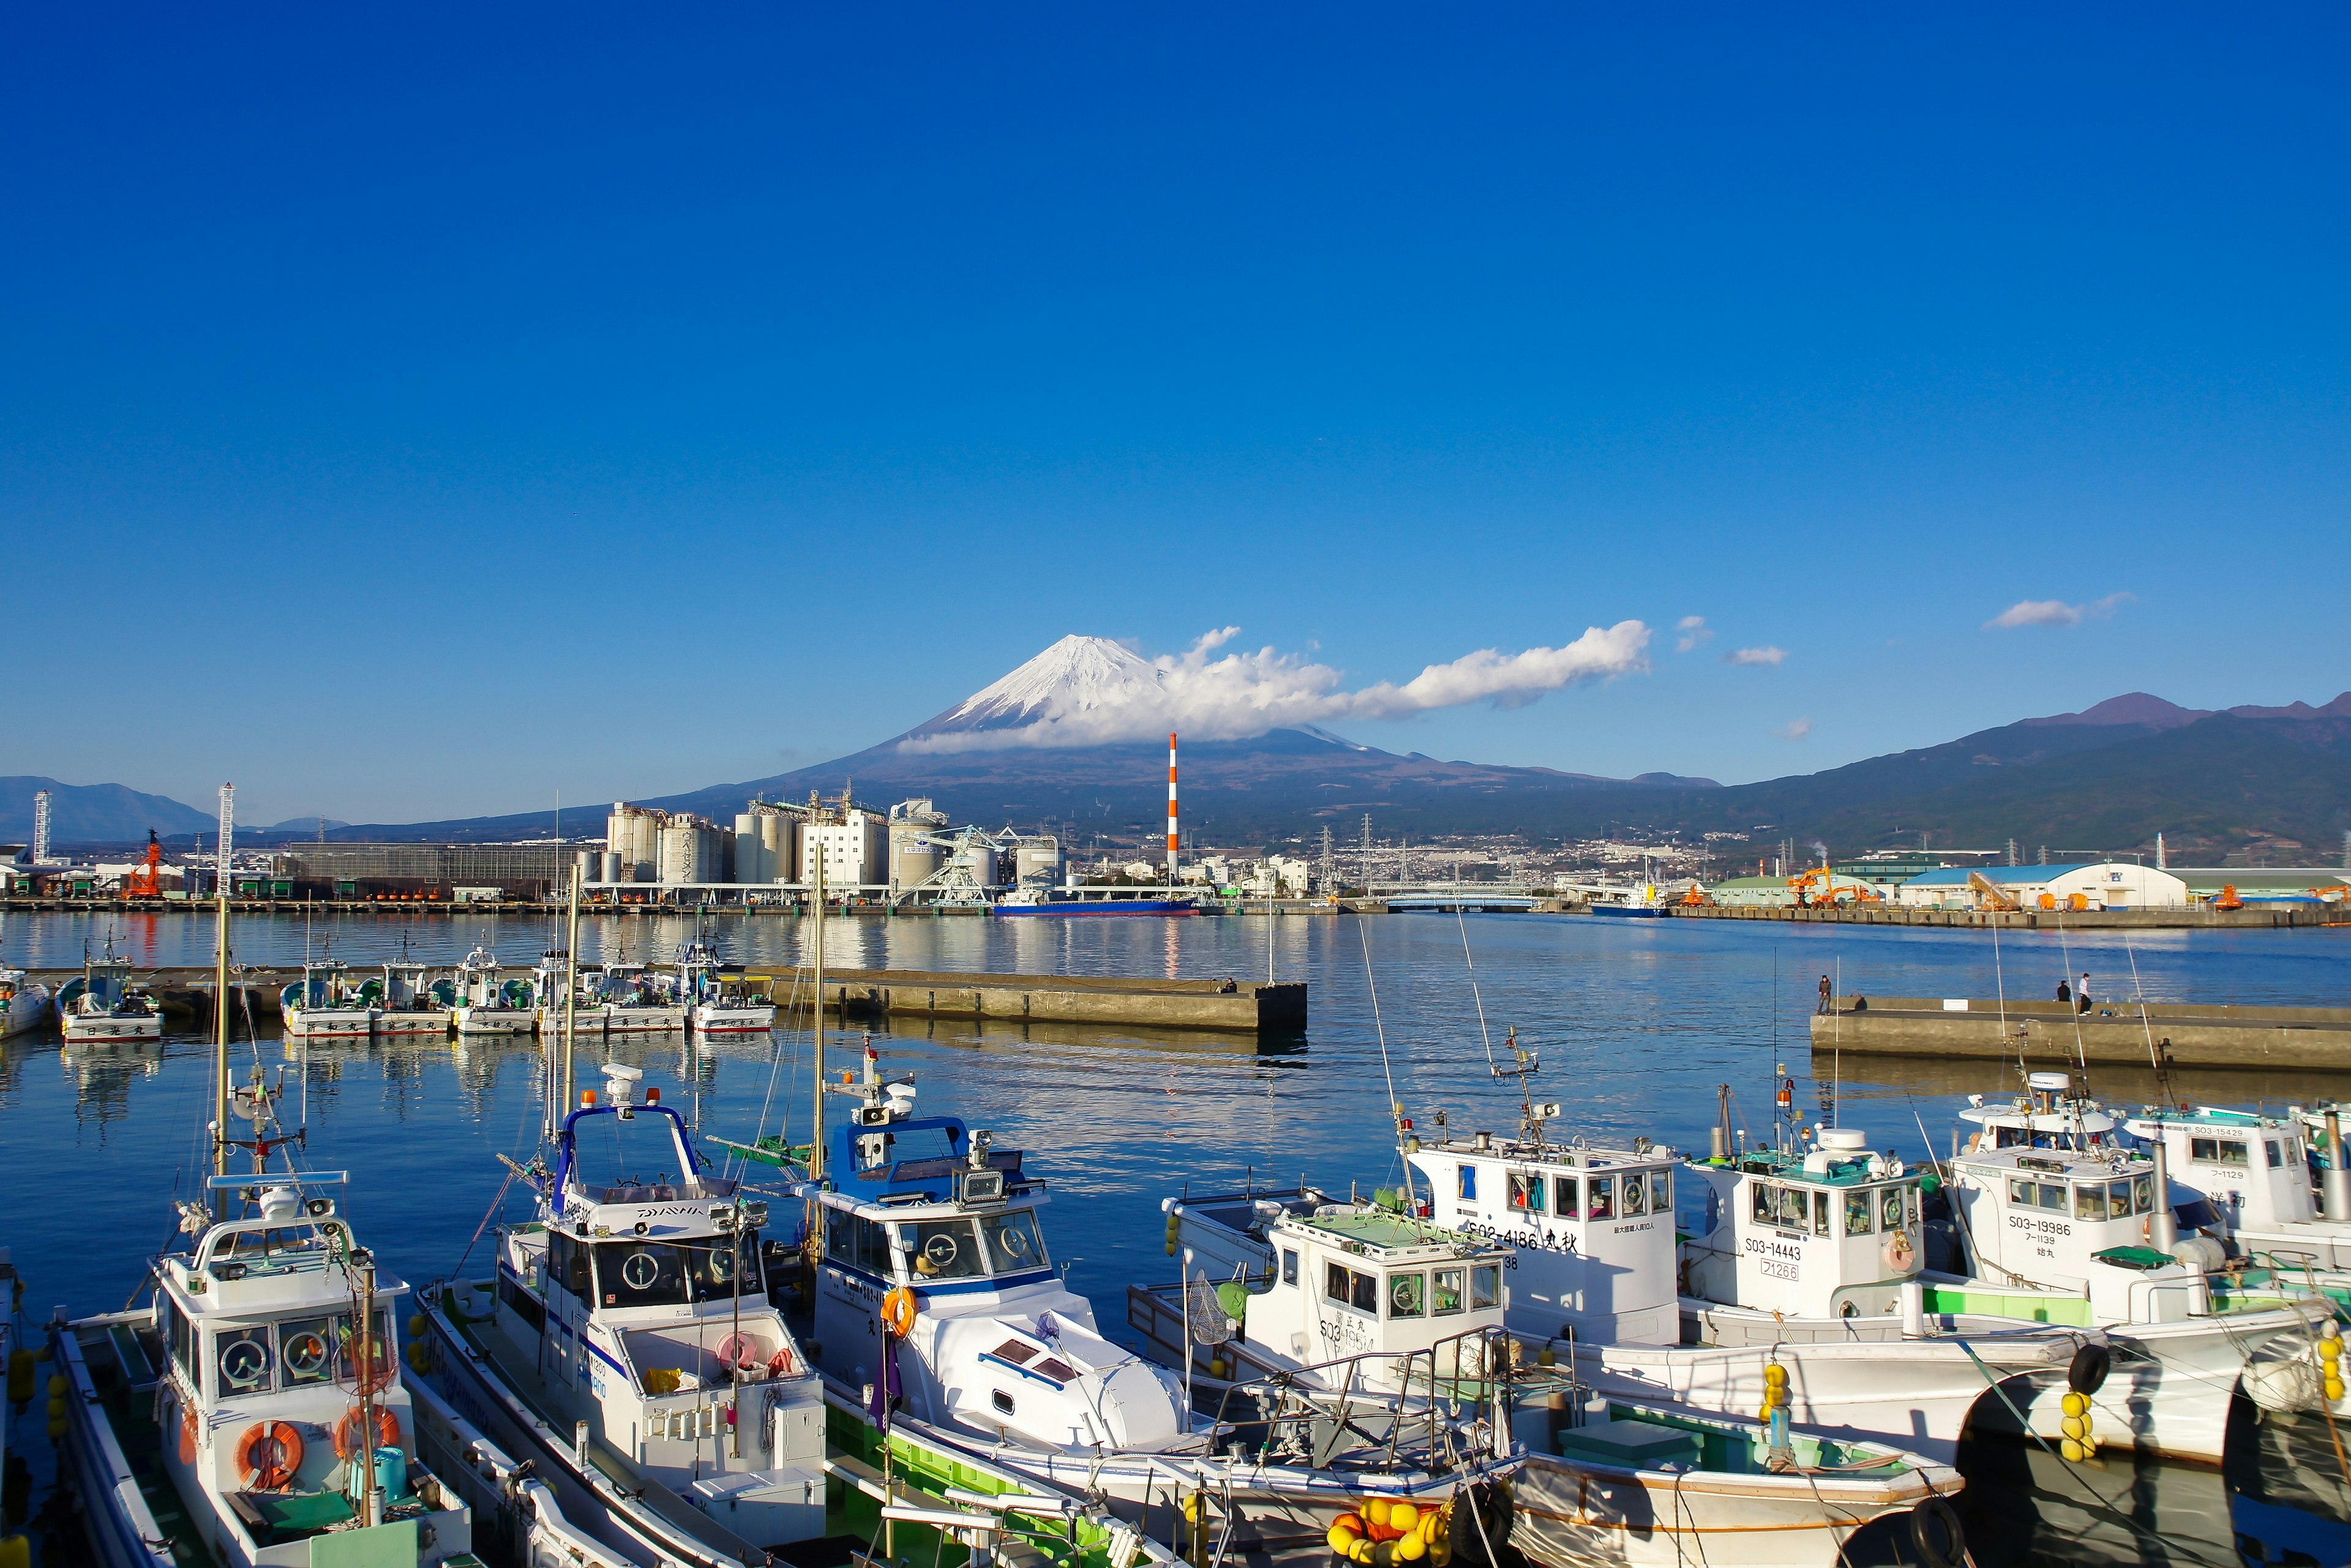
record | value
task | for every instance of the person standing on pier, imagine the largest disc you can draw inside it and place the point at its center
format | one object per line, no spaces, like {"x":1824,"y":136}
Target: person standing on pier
{"x":1827,"y":995}
{"x":2082,"y":994}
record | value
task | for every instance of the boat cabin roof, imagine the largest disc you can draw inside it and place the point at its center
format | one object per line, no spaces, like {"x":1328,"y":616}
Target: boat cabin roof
{"x":934,"y":1170}
{"x":2083,"y":1165}
{"x":1381,"y":1236}
{"x":1561,"y":1157}
{"x":2208,"y":1116}
{"x":261,"y":1267}
{"x":1824,"y":1167}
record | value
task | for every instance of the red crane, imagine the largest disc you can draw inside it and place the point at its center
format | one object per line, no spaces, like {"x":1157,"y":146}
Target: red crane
{"x":147,"y":882}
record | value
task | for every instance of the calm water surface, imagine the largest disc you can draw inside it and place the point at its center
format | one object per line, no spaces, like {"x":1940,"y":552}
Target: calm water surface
{"x":1637,"y":1022}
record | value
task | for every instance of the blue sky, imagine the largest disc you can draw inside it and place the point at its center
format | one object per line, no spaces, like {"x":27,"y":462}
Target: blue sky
{"x":431,"y":412}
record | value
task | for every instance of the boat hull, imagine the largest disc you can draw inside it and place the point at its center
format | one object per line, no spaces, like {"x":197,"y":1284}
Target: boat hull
{"x":710,"y":1019}
{"x":96,"y":1028}
{"x":494,"y":1021}
{"x":323,"y":1023}
{"x":1564,"y":1511}
{"x":1628,"y":912}
{"x":29,"y":1008}
{"x":411,"y":1023}
{"x":1077,"y":909}
{"x":644,"y":1020}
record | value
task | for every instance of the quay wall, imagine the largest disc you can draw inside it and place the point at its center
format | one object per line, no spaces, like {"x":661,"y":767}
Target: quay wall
{"x":2051,"y":1033}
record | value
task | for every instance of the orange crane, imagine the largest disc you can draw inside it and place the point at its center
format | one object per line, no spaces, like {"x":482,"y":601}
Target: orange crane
{"x":1819,"y":886}
{"x":1990,"y":892}
{"x":147,"y":882}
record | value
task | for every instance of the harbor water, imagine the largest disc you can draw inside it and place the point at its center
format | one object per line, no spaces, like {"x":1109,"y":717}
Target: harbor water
{"x":1636,"y":1023}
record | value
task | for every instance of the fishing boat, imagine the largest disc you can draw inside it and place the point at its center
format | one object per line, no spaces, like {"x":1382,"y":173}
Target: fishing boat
{"x":488,"y":1003}
{"x":24,"y":1002}
{"x":324,"y":1004}
{"x":638,"y":1000}
{"x":1639,"y":1478}
{"x":628,"y":1351}
{"x":403,"y":1001}
{"x":1038,"y":900}
{"x":718,"y":1000}
{"x":253,"y":1411}
{"x":937,"y":1296}
{"x":104,"y":1005}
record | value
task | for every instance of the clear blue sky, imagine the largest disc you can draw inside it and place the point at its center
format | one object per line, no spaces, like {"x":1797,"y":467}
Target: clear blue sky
{"x":428,"y":411}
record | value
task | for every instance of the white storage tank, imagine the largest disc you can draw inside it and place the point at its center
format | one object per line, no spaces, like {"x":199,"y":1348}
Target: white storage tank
{"x":780,"y":842}
{"x":1037,"y":862}
{"x":981,"y":860}
{"x":751,"y":850}
{"x":612,"y":872}
{"x":913,"y":860}
{"x":690,"y":852}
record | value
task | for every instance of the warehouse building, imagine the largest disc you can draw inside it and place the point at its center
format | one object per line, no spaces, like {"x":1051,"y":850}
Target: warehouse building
{"x":2264,"y":884}
{"x":361,"y":871}
{"x":2102,"y":885}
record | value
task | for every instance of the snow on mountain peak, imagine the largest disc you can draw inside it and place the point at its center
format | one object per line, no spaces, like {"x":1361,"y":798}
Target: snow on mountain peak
{"x":1089,"y":690}
{"x":1075,"y":677}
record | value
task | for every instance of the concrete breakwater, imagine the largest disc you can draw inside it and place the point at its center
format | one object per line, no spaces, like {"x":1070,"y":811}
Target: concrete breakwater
{"x":2202,"y":918}
{"x":2051,"y":1034}
{"x":1231,"y":1005}
{"x":1241,"y":1005}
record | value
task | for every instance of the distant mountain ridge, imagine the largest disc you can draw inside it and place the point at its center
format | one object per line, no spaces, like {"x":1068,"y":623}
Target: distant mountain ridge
{"x":94,"y":813}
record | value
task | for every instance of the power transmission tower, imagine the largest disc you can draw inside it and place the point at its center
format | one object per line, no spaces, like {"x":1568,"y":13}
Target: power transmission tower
{"x":1326,"y":869}
{"x":1366,"y":867}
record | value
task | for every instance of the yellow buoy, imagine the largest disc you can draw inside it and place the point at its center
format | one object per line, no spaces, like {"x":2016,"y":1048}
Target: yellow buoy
{"x":16,"y":1552}
{"x":20,"y":1375}
{"x":2075,"y":1404}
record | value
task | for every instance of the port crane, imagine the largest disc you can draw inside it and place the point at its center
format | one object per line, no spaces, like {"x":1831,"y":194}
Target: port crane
{"x":147,"y":880}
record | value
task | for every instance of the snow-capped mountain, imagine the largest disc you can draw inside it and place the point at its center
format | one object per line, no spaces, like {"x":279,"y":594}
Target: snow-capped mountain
{"x":1076,"y":678}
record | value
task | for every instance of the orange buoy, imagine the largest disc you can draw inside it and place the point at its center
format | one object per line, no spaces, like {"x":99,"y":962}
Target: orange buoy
{"x":269,"y":1453}
{"x":898,"y":1310}
{"x":347,"y":1432}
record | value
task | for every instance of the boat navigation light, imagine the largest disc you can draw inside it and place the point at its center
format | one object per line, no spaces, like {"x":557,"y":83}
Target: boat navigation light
{"x":587,"y":1099}
{"x":653,"y":1096}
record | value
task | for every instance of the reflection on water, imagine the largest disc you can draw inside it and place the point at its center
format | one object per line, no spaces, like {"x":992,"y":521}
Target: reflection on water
{"x":1637,"y":1022}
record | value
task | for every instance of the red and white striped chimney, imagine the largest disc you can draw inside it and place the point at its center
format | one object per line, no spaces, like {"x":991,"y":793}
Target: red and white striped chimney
{"x":1172,"y":840}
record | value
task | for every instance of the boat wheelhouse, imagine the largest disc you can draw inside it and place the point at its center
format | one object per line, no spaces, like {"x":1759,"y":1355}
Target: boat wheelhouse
{"x":105,"y":1005}
{"x":630,"y":1349}
{"x":487,"y":1002}
{"x":404,"y":1002}
{"x":261,"y":1384}
{"x":640,"y":1000}
{"x":718,"y":999}
{"x":25,"y":1003}
{"x":323,"y":1004}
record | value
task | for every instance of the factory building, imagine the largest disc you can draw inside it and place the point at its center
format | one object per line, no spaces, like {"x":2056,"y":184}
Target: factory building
{"x":2264,"y":883}
{"x":2104,"y":884}
{"x":632,"y":835}
{"x":345,"y":871}
{"x":855,"y":850}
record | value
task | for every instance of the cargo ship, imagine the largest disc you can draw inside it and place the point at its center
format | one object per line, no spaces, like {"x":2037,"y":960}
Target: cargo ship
{"x":1035,"y":901}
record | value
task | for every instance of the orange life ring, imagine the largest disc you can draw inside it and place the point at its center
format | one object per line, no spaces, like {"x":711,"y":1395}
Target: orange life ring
{"x":898,"y":1311}
{"x":347,"y":1432}
{"x":781,"y":1364}
{"x":270,"y":1453}
{"x":742,"y":1350}
{"x":187,"y":1434}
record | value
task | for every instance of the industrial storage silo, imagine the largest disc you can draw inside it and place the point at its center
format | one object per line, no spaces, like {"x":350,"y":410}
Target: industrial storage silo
{"x":1038,"y":860}
{"x":779,"y":843}
{"x":681,"y":843}
{"x":751,"y":850}
{"x":981,"y":860}
{"x":612,"y":872}
{"x":914,"y":861}
{"x":634,"y":834}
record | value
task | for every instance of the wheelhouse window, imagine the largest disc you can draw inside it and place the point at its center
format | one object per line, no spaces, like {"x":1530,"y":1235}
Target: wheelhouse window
{"x":1566,"y":1202}
{"x":1820,"y":1214}
{"x":1602,"y":1192}
{"x":1795,"y":1204}
{"x":2218,"y":1150}
{"x":945,"y":1250}
{"x":306,"y":1351}
{"x":1342,"y":1285}
{"x":640,"y":1274}
{"x":242,"y":1357}
{"x":1013,"y":1241}
{"x":567,"y":1265}
{"x":1486,"y":1286}
{"x":1288,"y":1266}
{"x":1766,"y":1203}
{"x":1408,"y":1295}
{"x":1661,"y":1192}
{"x":1526,"y":1193}
{"x":1857,"y":1211}
{"x":858,"y":1242}
{"x":1634,"y":1196}
{"x":2090,"y":1202}
{"x":1468,"y":1176}
{"x":1444,"y":1292}
{"x":2143,"y":1195}
{"x":2118,"y":1200}
{"x":175,"y":1331}
{"x":2277,"y":1155}
{"x":1889,"y":1208}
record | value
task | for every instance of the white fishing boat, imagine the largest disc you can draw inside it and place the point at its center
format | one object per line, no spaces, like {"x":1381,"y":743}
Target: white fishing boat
{"x":555,"y":981}
{"x":938,"y":1299}
{"x":403,"y":1001}
{"x":1639,"y":1479}
{"x":324,"y":1004}
{"x":105,"y":1006}
{"x":719,"y":1000}
{"x":24,"y":1002}
{"x":640,"y":1000}
{"x":488,"y":1002}
{"x":253,"y":1411}
{"x":629,"y":1351}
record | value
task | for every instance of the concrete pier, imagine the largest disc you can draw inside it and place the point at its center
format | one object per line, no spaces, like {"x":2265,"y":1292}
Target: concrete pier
{"x":1248,"y":1007}
{"x":2193,"y":1034}
{"x":2252,"y":918}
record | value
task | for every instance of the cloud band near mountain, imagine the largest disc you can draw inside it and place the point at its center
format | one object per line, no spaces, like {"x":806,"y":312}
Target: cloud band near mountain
{"x":1206,"y":696}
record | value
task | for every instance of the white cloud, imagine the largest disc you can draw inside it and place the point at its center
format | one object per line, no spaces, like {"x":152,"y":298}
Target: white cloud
{"x":1763,"y":655}
{"x":1795,"y":729}
{"x":2055,"y":612}
{"x":1695,"y":633}
{"x":1247,"y":694}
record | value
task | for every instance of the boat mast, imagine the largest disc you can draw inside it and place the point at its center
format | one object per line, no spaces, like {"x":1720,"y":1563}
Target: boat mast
{"x":816,"y":1019}
{"x":570,"y":993}
{"x":220,"y":994}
